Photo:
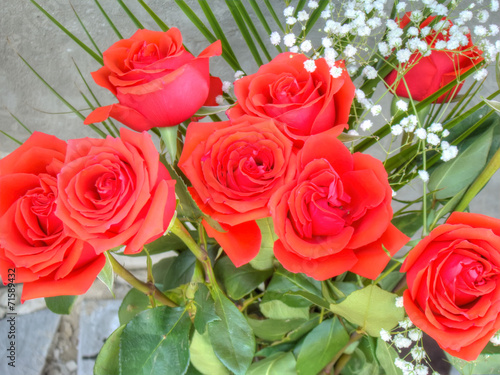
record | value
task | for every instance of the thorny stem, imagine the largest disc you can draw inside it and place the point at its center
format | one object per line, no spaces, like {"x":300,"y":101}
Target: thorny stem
{"x":146,"y":288}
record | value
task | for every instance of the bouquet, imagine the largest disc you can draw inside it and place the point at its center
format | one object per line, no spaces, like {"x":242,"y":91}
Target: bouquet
{"x":312,"y":207}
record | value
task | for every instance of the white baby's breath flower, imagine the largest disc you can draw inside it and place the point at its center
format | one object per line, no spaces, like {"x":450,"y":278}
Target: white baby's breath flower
{"x":433,"y":139}
{"x":466,"y":15}
{"x":421,"y":370}
{"x":352,"y":132}
{"x":494,"y":5}
{"x":350,"y":50}
{"x":413,"y":31}
{"x":312,"y":4}
{"x":417,"y":353}
{"x":366,"y":125}
{"x":399,"y":302}
{"x":441,"y":44}
{"x":326,"y":14}
{"x":294,"y":49}
{"x":495,"y":340}
{"x":401,"y":342}
{"x":480,"y":30}
{"x":303,"y":16}
{"x":400,"y":7}
{"x":384,"y":49}
{"x":238,"y":74}
{"x":480,"y":74}
{"x":421,"y":133}
{"x":289,"y":39}
{"x":288,"y":11}
{"x":352,"y":69}
{"x":370,"y":72}
{"x":493,"y":30}
{"x":424,"y":175}
{"x":449,"y":153}
{"x":360,"y":94}
{"x":275,"y":38}
{"x":335,"y":72}
{"x":416,"y":16}
{"x":219,"y":99}
{"x":396,"y":130}
{"x":291,"y":20}
{"x":226,"y":86}
{"x":406,"y":323}
{"x":310,"y":65}
{"x":326,"y":42}
{"x":391,"y":25}
{"x":402,"y":105}
{"x":384,"y":335}
{"x":376,"y":110}
{"x":445,"y":133}
{"x":415,"y":334}
{"x":393,"y":193}
{"x":306,"y":46}
{"x":403,"y":55}
{"x":483,"y":16}
{"x":435,"y":127}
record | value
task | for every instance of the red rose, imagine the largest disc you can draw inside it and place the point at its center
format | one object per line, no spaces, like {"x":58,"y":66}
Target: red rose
{"x":431,"y":73}
{"x":33,"y":240}
{"x":235,"y":167}
{"x":453,"y":278}
{"x":157,"y":82}
{"x":115,"y":191}
{"x":336,"y":216}
{"x":301,"y":103}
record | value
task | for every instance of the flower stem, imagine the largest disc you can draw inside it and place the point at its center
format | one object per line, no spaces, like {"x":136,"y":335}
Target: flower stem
{"x":200,"y":253}
{"x":146,"y":288}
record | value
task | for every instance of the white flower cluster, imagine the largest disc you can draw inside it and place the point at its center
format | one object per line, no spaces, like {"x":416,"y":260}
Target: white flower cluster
{"x":495,"y":340}
{"x":406,"y":337}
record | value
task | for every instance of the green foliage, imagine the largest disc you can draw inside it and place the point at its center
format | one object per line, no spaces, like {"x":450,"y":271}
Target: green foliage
{"x":205,"y":309}
{"x":264,"y":260}
{"x":320,"y":346}
{"x":371,"y":309}
{"x":202,"y":356}
{"x":106,"y":275}
{"x":386,"y":356}
{"x":485,"y":364}
{"x":453,"y":176}
{"x":133,"y":303}
{"x":240,"y":281}
{"x":156,"y":341}
{"x":231,"y":337}
{"x":107,"y":362}
{"x":60,"y":304}
{"x":276,"y":364}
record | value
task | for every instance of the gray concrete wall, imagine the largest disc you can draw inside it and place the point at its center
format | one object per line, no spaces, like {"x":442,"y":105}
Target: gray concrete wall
{"x":25,"y":30}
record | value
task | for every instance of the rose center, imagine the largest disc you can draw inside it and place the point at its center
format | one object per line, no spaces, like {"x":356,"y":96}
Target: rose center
{"x":106,"y":186}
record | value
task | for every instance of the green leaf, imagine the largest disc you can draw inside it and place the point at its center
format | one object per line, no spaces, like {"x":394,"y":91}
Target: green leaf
{"x":275,"y":348}
{"x":313,"y":298}
{"x":180,"y":272}
{"x":186,"y":207}
{"x":131,"y":15}
{"x":262,"y":20}
{"x":239,"y":281}
{"x":344,"y":137}
{"x":485,"y":364}
{"x":409,"y":223}
{"x":203,"y":357}
{"x":386,"y":356}
{"x":273,"y":329}
{"x":231,"y":336}
{"x":60,"y":304}
{"x":370,"y":308}
{"x":265,"y":257}
{"x":235,"y":11}
{"x":106,"y":362}
{"x":276,"y":364}
{"x":108,"y":20}
{"x":211,"y":110}
{"x":320,"y":346}
{"x":205,"y":308}
{"x":133,"y":303}
{"x":68,"y":33}
{"x":156,"y":342}
{"x":106,"y":275}
{"x":161,"y":268}
{"x":449,"y":206}
{"x":493,"y":104}
{"x":276,"y":309}
{"x":169,"y":138}
{"x":314,"y":17}
{"x":166,"y":243}
{"x":273,"y":14}
{"x":163,"y":26}
{"x":451,"y":177}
